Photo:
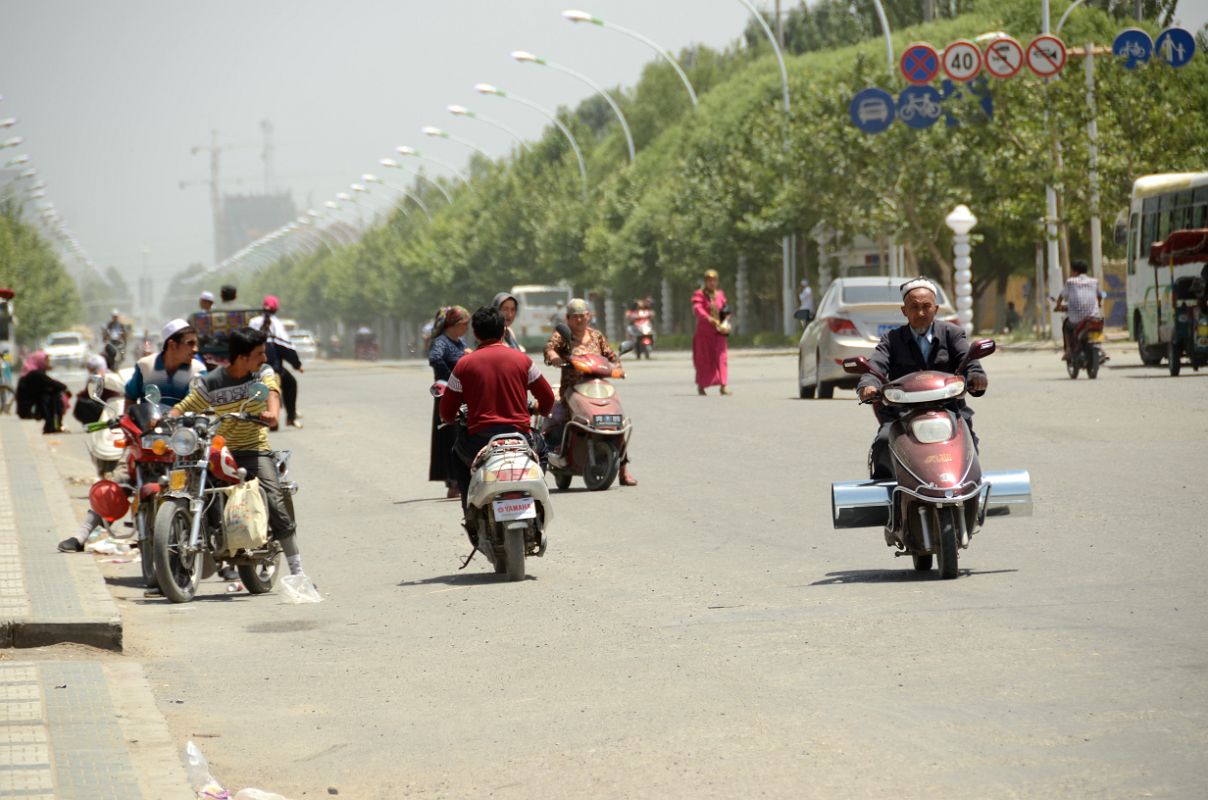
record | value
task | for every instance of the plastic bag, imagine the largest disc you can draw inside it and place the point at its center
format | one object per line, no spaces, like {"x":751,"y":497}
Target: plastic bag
{"x":107,"y":547}
{"x":203,"y":783}
{"x":257,"y":794}
{"x":245,"y":518}
{"x":299,"y":589}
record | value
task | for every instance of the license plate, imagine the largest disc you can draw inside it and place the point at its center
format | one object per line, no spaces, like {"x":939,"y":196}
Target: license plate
{"x":522,"y":508}
{"x":1094,"y":336}
{"x":177,"y":479}
{"x":884,"y":329}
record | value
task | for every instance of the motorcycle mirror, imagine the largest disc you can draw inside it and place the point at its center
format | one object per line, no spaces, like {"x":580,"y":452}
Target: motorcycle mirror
{"x":259,"y":392}
{"x":803,"y":315}
{"x":95,"y":384}
{"x":981,"y":348}
{"x":562,"y":329}
{"x":152,"y":394}
{"x":438,"y":389}
{"x":856,"y":366}
{"x":626,"y":347}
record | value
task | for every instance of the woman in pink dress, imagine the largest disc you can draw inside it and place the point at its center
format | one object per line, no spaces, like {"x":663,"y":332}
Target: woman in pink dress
{"x":709,"y":342}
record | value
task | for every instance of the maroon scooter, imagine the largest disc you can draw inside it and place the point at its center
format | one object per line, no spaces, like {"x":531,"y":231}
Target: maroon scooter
{"x":939,"y":496}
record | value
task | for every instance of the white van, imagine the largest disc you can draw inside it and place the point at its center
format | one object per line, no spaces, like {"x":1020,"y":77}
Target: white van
{"x":537,"y":309}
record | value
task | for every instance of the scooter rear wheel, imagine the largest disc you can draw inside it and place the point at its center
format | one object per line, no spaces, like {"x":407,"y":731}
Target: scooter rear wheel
{"x":1175,"y":356}
{"x":513,"y":549}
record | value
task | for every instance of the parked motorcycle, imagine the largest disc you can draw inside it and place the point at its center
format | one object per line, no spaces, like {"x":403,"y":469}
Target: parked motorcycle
{"x":940,"y":497}
{"x":115,"y":350}
{"x":596,"y":434}
{"x":190,"y":535}
{"x":145,"y":445}
{"x":1088,"y":348}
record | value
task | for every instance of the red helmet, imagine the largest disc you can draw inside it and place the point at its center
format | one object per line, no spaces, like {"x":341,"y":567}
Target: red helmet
{"x":109,"y":500}
{"x":271,"y":303}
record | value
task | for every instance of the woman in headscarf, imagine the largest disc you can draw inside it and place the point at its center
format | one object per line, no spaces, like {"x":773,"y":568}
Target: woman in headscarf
{"x":40,"y":396}
{"x":448,"y":346}
{"x":709,"y":343}
{"x":507,"y":305}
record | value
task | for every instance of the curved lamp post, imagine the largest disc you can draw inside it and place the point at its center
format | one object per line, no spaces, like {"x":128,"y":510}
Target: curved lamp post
{"x":441,"y":133}
{"x":404,"y":150}
{"x":491,"y":89}
{"x":371,"y":178}
{"x":583,"y":16}
{"x":462,"y":111}
{"x":526,"y":57}
{"x":961,"y":221}
{"x":12,"y":142}
{"x":392,"y":164}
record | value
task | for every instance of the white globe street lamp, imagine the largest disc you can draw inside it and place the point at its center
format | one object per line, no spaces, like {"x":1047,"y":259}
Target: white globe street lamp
{"x":961,"y":221}
{"x":495,"y":91}
{"x":462,"y":111}
{"x":441,"y":133}
{"x":392,"y":164}
{"x":526,"y":57}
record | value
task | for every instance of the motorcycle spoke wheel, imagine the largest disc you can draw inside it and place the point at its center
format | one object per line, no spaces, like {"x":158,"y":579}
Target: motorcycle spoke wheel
{"x":144,"y":529}
{"x":259,"y":578}
{"x":178,"y":572}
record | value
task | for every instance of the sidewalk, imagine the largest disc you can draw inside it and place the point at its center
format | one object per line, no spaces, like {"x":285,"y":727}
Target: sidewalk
{"x":75,"y":723}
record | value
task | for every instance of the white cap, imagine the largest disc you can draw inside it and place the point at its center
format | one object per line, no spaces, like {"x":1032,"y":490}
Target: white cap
{"x":207,"y":296}
{"x":919,"y":283}
{"x":172,"y":328}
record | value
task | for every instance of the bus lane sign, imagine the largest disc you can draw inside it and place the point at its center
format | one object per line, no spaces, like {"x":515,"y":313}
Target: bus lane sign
{"x":920,"y":63}
{"x":962,"y":60}
{"x":1004,"y":57}
{"x":1045,"y":55}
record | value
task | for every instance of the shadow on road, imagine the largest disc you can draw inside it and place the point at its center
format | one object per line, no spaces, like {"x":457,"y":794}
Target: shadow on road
{"x":895,"y":576}
{"x":463,"y":579}
{"x":425,"y":500}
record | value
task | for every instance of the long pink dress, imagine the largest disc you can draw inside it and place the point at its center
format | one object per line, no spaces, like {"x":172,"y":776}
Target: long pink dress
{"x":709,"y":348}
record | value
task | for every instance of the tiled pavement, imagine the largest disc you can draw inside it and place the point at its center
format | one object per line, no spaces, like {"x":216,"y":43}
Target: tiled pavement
{"x":68,"y":729}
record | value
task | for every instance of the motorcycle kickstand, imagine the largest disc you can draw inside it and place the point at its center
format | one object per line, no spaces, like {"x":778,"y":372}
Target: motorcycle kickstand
{"x":466,"y":563}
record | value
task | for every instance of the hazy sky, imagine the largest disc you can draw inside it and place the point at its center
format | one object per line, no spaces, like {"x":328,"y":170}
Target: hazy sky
{"x":111,"y":95}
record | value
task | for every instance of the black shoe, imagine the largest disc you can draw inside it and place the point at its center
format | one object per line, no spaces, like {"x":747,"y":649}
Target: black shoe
{"x":71,"y":545}
{"x":228,"y":574}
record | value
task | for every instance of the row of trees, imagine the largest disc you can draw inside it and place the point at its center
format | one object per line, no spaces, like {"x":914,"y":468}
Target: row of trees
{"x":46,"y":297}
{"x":727,"y":181}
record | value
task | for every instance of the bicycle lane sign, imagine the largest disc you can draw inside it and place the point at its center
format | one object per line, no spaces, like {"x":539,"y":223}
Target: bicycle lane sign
{"x":1134,"y":46}
{"x":919,"y":63}
{"x":919,"y":106}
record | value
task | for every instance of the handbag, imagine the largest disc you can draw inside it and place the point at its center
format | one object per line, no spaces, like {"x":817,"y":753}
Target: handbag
{"x":245,"y":517}
{"x":87,"y":410}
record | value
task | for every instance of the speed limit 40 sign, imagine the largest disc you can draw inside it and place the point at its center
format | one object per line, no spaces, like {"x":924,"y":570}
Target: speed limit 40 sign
{"x":962,"y":60}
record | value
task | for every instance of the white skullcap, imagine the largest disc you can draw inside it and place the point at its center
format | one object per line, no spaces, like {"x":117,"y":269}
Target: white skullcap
{"x":919,"y":283}
{"x":207,"y":296}
{"x":171,"y":329}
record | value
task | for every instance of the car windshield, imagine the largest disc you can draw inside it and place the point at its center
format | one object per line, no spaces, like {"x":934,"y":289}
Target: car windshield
{"x":64,"y":339}
{"x":543,"y":298}
{"x":886,"y":294}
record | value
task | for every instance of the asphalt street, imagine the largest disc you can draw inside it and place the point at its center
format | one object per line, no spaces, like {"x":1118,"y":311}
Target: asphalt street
{"x":707,"y":633}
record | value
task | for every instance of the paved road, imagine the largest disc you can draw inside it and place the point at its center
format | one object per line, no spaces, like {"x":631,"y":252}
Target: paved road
{"x":707,"y":634}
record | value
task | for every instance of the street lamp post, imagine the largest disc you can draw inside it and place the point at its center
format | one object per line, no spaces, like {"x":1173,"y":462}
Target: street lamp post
{"x":371,"y":178}
{"x":961,"y":221}
{"x":491,"y":89}
{"x":462,"y":111}
{"x":404,"y":150}
{"x":392,"y":164}
{"x":583,"y":16}
{"x":525,"y":57}
{"x":441,"y":133}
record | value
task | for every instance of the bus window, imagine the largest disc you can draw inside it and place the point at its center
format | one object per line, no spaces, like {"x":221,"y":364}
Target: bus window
{"x":1199,"y":216}
{"x":1200,"y":195}
{"x":1146,"y":233}
{"x":1163,"y":226}
{"x":1134,"y":229}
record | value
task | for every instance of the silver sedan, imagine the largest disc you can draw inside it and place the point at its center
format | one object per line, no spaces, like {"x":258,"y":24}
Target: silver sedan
{"x":852,"y":317}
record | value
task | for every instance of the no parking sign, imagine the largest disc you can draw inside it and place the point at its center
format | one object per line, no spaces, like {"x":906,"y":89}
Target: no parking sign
{"x":919,"y":63}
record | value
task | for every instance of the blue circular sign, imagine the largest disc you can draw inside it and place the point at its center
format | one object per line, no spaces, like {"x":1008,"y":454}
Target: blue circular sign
{"x":1175,"y":46}
{"x":919,"y":63}
{"x":920,"y":106}
{"x":872,"y":110}
{"x":1134,"y":46}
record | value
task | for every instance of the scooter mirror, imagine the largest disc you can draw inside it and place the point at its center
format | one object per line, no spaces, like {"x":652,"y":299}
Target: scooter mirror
{"x":95,"y":384}
{"x":626,"y":347}
{"x":856,"y":366}
{"x":562,"y":329}
{"x":152,"y":394}
{"x":981,"y":348}
{"x":438,"y":389}
{"x":803,"y":315}
{"x":259,"y":392}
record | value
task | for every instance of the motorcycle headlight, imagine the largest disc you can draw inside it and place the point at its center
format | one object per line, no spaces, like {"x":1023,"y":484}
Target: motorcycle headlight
{"x":932,"y":430}
{"x":183,"y":441}
{"x":896,"y":395}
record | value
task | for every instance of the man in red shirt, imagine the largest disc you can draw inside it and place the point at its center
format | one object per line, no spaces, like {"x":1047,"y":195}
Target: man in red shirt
{"x":494,"y":382}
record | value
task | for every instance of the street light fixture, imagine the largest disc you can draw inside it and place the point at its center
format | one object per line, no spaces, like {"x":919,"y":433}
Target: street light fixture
{"x":583,"y":16}
{"x":392,"y":164}
{"x":462,"y":111}
{"x":12,"y":142}
{"x":495,"y":91}
{"x":440,"y":133}
{"x":525,"y":57}
{"x":404,"y":150}
{"x":371,"y":178}
{"x":8,"y":123}
{"x":15,"y":160}
{"x":961,"y":220}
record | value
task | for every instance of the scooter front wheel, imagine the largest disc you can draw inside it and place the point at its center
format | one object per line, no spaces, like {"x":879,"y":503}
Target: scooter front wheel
{"x":603,"y":463}
{"x":948,"y":542}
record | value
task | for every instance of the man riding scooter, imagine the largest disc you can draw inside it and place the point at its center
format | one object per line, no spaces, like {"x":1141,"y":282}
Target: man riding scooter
{"x":494,"y":382}
{"x":1080,"y":300}
{"x":584,"y":341}
{"x":923,"y":343}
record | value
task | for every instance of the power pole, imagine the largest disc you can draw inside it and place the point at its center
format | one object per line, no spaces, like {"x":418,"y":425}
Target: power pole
{"x":779,"y":26}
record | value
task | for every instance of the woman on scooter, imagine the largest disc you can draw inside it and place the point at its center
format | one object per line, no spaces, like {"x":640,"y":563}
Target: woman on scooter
{"x":448,"y":346}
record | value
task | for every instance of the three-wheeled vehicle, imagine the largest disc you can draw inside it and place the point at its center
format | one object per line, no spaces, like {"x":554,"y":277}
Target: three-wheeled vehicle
{"x":1188,"y":296}
{"x":214,"y":329}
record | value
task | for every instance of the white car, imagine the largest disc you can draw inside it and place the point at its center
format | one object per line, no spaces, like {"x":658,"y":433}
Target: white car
{"x":66,"y":349}
{"x":304,"y":343}
{"x":852,"y":317}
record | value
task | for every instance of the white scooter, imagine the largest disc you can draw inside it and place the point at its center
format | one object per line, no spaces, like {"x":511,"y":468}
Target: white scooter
{"x":102,"y":443}
{"x":507,"y":505}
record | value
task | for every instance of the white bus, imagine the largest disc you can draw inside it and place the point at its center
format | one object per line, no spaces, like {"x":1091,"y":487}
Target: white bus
{"x":538,"y":309}
{"x":1160,"y":204}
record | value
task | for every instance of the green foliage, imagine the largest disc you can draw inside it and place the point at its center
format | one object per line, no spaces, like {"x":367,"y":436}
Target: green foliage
{"x":46,"y":297}
{"x":728,"y":180}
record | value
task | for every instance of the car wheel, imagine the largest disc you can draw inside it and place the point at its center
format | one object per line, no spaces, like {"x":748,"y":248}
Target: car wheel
{"x":825,"y":390}
{"x":804,"y":392}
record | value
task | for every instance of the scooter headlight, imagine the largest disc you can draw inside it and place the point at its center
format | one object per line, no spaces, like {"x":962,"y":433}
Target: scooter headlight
{"x":183,"y":441}
{"x":954,"y":388}
{"x":932,"y":430}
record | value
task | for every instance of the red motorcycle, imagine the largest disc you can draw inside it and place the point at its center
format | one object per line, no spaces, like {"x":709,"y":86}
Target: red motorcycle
{"x":596,"y":434}
{"x":940,"y":496}
{"x":148,"y":457}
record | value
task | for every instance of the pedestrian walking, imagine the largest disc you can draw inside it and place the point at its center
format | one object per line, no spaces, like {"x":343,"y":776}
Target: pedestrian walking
{"x":447,"y":348}
{"x":710,"y":344}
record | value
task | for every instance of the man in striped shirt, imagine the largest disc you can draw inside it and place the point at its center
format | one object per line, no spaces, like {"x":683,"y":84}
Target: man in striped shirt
{"x":1080,"y":300}
{"x":225,"y":390}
